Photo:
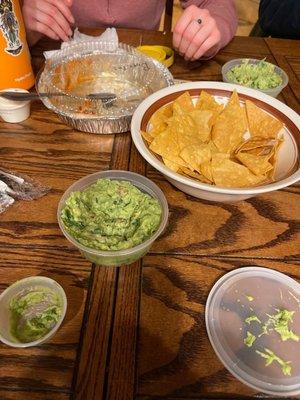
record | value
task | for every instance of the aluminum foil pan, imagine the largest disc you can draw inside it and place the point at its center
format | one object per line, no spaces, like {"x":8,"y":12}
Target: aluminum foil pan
{"x":92,"y":67}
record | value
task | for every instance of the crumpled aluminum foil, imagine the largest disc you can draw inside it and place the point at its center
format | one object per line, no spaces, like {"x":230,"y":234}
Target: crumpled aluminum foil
{"x":96,"y":66}
{"x":18,"y":187}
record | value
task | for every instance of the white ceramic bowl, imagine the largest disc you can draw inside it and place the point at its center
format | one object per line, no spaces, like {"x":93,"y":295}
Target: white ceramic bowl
{"x":287,"y":171}
{"x":14,"y":111}
{"x":274,"y":92}
{"x":5,"y":298}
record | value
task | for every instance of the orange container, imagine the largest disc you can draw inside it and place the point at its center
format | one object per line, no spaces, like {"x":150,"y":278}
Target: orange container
{"x":15,"y":65}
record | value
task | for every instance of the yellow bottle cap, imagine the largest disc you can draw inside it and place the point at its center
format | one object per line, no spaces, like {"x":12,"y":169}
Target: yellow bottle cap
{"x":163,"y":54}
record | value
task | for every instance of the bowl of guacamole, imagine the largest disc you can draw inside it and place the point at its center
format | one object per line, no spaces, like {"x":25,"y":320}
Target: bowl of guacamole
{"x":256,"y":74}
{"x":31,"y":311}
{"x":113,"y":217}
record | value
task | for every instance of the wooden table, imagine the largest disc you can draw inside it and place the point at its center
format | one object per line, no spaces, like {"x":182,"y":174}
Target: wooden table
{"x":136,"y":332}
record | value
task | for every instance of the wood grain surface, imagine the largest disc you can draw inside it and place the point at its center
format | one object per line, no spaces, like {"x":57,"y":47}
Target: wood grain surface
{"x":136,"y":332}
{"x":175,"y":289}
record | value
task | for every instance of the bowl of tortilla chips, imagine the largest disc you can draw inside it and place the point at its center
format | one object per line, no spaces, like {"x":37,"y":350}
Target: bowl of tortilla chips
{"x":219,"y":141}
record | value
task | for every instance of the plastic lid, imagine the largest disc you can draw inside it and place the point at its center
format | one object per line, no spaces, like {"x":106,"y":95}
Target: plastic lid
{"x":245,"y":313}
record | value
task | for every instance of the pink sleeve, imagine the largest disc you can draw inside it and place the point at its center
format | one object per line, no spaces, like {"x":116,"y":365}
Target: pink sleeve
{"x":224,"y":13}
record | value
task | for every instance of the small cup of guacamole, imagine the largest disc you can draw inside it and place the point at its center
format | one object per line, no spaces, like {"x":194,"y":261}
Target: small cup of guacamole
{"x":256,"y":74}
{"x":113,"y":217}
{"x":31,"y":311}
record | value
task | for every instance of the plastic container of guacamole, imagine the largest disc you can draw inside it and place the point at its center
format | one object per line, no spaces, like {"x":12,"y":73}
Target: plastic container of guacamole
{"x":88,"y":217}
{"x":253,"y":323}
{"x":262,"y":77}
{"x":31,"y":311}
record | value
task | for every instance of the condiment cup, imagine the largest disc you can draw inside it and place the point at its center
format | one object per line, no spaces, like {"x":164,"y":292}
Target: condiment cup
{"x":124,"y":256}
{"x":274,"y":92}
{"x":5,"y":313}
{"x":14,"y":111}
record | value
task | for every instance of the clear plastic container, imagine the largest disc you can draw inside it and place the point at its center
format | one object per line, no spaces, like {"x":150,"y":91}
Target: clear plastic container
{"x":243,"y":301}
{"x":5,"y":298}
{"x":125,"y":256}
{"x":274,"y":92}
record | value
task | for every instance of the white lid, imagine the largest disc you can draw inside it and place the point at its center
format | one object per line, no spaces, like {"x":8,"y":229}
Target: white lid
{"x":260,"y":292}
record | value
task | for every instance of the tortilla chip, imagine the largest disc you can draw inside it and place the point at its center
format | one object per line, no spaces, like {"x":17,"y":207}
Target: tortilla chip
{"x":194,"y":155}
{"x":252,"y":143}
{"x":158,"y":129}
{"x":208,"y":102}
{"x":170,"y":164}
{"x":161,"y":115}
{"x":203,"y":120}
{"x":259,"y":165}
{"x":205,"y":170}
{"x":261,"y":123}
{"x":234,"y":99}
{"x":230,"y":126}
{"x":183,"y":104}
{"x":147,"y":136}
{"x":186,"y":130}
{"x":274,"y":156}
{"x":166,"y":145}
{"x":227,"y":173}
{"x":194,"y":175}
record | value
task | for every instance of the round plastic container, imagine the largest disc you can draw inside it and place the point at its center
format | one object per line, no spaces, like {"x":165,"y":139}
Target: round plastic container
{"x":118,"y":257}
{"x":5,"y":298}
{"x":14,"y":111}
{"x":274,"y":92}
{"x":239,"y":305}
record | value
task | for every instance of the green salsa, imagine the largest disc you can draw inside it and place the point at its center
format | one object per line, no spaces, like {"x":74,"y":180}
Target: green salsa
{"x":111,"y":215}
{"x":258,"y":76}
{"x":34,"y":312}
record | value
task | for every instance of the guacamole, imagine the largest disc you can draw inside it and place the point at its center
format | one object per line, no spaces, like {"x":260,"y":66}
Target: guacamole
{"x":258,"y":76}
{"x":34,"y":312}
{"x":111,"y":215}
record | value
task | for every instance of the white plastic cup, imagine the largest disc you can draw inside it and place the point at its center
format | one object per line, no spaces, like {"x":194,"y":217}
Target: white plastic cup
{"x":5,"y":313}
{"x":14,"y":111}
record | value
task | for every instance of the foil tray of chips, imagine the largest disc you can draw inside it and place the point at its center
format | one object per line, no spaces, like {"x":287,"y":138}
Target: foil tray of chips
{"x":85,"y":68}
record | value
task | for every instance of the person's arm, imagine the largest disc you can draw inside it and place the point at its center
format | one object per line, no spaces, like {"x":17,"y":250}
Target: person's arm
{"x":218,"y":26}
{"x":280,"y":18}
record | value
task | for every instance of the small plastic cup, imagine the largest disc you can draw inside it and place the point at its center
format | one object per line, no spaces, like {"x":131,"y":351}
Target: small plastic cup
{"x":125,"y":256}
{"x":274,"y":92}
{"x":5,"y":313}
{"x":14,"y":111}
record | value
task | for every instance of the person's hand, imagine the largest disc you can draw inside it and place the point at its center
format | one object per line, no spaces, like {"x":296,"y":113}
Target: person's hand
{"x":196,"y":34}
{"x":51,"y":18}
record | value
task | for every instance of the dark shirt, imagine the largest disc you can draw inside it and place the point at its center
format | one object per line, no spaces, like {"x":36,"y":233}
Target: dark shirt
{"x":280,"y":18}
